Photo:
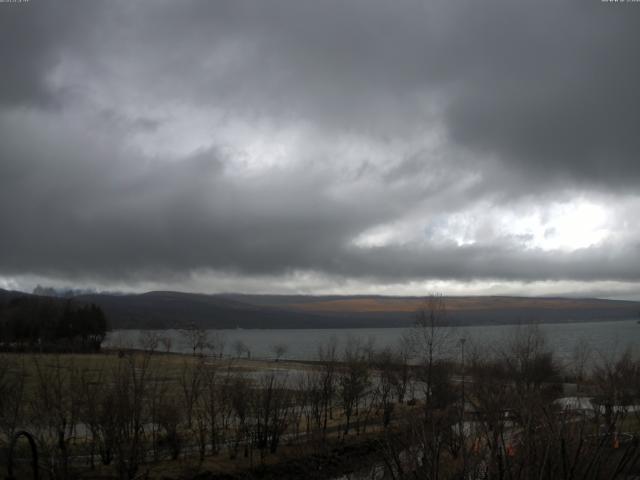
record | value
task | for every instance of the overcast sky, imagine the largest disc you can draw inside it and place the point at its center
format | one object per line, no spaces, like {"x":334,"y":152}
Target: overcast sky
{"x":373,"y":146}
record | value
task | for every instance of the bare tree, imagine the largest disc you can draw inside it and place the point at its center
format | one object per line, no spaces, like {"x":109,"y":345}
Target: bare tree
{"x":196,"y":339}
{"x":149,"y":340}
{"x":525,"y":434}
{"x":402,"y":380}
{"x":169,"y":418}
{"x":270,"y":406}
{"x":91,"y":390}
{"x":160,"y":392}
{"x":581,"y":356}
{"x":12,"y":396}
{"x":425,"y":442}
{"x":431,"y":341}
{"x":279,"y":350}
{"x":239,"y":396}
{"x":167,"y":342}
{"x":312,"y":401}
{"x":130,"y":383}
{"x":614,"y":378}
{"x":216,"y":344}
{"x":386,"y":367}
{"x":56,"y":409}
{"x":353,"y":380}
{"x":212,"y":405}
{"x":240,"y":348}
{"x":327,"y":356}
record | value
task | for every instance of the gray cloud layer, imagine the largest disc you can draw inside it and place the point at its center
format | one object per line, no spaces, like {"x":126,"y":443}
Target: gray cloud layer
{"x":147,"y":140}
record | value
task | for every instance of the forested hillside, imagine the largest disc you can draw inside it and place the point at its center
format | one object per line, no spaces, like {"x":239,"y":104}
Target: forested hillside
{"x":30,"y":322}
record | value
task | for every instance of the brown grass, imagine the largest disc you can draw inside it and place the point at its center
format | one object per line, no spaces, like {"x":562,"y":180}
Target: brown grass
{"x":381,"y":305}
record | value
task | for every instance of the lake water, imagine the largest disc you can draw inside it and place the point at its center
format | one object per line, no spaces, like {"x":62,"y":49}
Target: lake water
{"x":604,"y":338}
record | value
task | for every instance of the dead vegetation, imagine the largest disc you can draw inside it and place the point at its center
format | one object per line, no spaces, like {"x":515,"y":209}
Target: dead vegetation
{"x":421,"y":411}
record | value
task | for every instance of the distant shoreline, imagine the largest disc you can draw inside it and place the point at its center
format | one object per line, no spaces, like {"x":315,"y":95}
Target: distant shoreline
{"x":390,"y":327}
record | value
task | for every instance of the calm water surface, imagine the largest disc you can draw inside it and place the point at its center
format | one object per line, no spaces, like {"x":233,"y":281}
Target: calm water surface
{"x":603,"y":337}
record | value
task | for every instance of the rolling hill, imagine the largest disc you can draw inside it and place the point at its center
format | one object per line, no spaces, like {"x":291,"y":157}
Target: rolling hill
{"x":175,"y":310}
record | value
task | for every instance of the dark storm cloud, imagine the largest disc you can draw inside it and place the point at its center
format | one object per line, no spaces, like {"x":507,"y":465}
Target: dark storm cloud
{"x":548,"y":87}
{"x":527,"y":98}
{"x":492,"y":262}
{"x":95,"y":208}
{"x":554,"y":90}
{"x":33,"y":36}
